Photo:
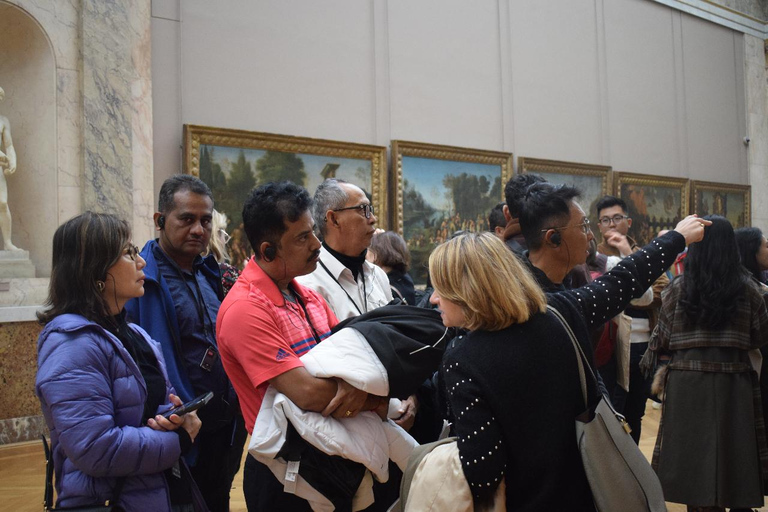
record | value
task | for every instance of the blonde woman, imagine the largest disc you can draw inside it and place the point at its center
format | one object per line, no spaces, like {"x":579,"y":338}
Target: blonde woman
{"x":512,"y":385}
{"x":217,"y":245}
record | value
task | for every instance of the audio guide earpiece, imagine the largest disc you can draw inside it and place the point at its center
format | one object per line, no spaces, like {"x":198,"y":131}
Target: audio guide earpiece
{"x":270,"y":253}
{"x":556,"y":239}
{"x":161,"y":222}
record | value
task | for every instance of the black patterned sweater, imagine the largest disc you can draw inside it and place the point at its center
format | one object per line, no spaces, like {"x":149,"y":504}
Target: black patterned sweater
{"x":514,"y":394}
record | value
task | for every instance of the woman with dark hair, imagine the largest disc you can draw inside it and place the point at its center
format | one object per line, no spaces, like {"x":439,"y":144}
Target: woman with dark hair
{"x":711,"y":448}
{"x":753,"y":248}
{"x":389,"y":251}
{"x":101,"y":381}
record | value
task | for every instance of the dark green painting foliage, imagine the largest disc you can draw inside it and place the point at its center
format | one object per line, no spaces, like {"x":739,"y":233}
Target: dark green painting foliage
{"x":472,"y":195}
{"x":277,"y":166}
{"x":240,"y":182}
{"x":417,"y":212}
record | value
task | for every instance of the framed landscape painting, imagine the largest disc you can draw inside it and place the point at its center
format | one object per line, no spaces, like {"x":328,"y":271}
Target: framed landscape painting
{"x":729,"y":201}
{"x":233,"y":162}
{"x":654,"y":202}
{"x":441,"y":190}
{"x":594,"y":181}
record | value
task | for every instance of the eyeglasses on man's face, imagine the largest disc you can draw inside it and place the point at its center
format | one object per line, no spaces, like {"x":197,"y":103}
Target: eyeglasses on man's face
{"x":367,"y":208}
{"x":616,"y":219}
{"x":584,"y":227}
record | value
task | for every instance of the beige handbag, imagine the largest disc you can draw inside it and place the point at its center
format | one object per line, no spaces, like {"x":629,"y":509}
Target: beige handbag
{"x":619,"y":475}
{"x":434,"y":481}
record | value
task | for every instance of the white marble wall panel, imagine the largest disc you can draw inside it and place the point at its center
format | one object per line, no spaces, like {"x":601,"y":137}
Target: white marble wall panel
{"x":757,"y":126}
{"x":69,"y":122}
{"x":445,"y":78}
{"x":141,"y":120}
{"x":301,"y":68}
{"x":70,"y":203}
{"x":643,"y":103}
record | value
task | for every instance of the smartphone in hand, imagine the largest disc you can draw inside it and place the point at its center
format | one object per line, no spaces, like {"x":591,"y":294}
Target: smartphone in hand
{"x":190,"y":406}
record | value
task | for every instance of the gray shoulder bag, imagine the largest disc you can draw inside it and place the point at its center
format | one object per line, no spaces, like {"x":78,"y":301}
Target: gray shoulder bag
{"x":619,"y":475}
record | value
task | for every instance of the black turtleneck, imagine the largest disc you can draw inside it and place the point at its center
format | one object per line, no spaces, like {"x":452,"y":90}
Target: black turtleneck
{"x":353,"y":263}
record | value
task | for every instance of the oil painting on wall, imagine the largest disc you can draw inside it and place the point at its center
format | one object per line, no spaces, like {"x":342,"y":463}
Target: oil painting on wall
{"x":654,"y":203}
{"x":729,"y":201}
{"x":593,"y":181}
{"x":233,"y":162}
{"x":441,"y":190}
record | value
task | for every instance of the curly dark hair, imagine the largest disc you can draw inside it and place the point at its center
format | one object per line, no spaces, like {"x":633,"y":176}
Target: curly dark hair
{"x":749,"y":241}
{"x":515,"y":190}
{"x":267,"y":210}
{"x":542,"y":207}
{"x":714,"y":278}
{"x":84,"y":249}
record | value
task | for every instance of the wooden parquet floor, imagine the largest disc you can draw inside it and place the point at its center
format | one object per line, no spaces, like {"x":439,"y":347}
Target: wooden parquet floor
{"x":22,"y":472}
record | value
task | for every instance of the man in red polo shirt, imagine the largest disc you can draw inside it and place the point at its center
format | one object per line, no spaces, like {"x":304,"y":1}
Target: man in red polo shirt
{"x":268,"y":320}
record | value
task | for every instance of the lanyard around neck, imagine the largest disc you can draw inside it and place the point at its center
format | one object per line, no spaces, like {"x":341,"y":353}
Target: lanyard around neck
{"x":365,"y":294}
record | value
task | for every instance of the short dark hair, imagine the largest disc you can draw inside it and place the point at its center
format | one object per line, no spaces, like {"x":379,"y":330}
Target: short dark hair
{"x":391,"y":251}
{"x":544,"y":206}
{"x":267,"y":210}
{"x":515,"y":190}
{"x":84,"y":248}
{"x":179,"y":183}
{"x":749,"y":241}
{"x":496,"y":217}
{"x":609,"y":201}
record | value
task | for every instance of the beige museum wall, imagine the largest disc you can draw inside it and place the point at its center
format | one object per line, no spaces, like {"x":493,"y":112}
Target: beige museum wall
{"x":628,"y":83}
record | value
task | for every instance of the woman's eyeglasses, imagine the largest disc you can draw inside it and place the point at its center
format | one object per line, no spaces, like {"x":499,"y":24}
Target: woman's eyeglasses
{"x":367,"y":208}
{"x":225,"y":238}
{"x":132,"y":251}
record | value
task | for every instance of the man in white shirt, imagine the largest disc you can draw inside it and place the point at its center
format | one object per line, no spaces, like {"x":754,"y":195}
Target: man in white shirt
{"x":345,"y":218}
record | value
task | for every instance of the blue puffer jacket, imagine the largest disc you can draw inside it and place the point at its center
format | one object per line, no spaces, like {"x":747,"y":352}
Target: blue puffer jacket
{"x":92,"y":394}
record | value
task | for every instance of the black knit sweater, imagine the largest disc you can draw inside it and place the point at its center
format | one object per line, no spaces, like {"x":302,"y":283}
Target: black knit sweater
{"x":514,"y":393}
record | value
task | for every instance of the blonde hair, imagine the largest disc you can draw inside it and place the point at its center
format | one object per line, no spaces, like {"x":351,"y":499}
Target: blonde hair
{"x":480,"y":274}
{"x":216,"y":245}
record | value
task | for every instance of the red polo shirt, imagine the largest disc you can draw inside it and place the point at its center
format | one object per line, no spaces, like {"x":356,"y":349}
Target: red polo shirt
{"x":261,"y":335}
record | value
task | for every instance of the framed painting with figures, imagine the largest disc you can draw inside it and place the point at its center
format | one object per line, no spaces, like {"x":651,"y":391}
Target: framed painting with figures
{"x":233,"y":162}
{"x":441,"y":190}
{"x":593,"y":181}
{"x":654,"y":202}
{"x":729,"y":201}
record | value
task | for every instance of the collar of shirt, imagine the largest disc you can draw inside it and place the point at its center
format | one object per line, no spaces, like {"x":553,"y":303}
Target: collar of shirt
{"x":256,"y":276}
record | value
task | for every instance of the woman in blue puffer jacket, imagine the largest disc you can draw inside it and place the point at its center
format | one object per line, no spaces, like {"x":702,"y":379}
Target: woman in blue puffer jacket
{"x":102,"y":381}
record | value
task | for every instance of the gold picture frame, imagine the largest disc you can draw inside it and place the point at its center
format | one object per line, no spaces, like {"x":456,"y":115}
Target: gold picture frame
{"x":593,"y":181}
{"x":653,"y":202}
{"x":441,"y":189}
{"x":728,"y":200}
{"x":214,"y":154}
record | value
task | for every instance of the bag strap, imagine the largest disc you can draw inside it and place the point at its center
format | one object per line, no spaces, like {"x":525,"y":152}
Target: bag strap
{"x":48,"y":492}
{"x":581,"y":359}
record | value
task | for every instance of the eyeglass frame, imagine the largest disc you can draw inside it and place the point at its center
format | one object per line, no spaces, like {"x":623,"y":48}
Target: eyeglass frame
{"x":226,"y":236}
{"x":612,"y":220}
{"x":132,"y":250}
{"x":585,"y":227}
{"x":368,"y":209}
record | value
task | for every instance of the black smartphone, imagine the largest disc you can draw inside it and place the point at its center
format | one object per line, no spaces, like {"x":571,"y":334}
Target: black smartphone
{"x":190,"y":406}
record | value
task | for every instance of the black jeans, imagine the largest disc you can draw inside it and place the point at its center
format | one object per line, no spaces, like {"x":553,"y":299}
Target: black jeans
{"x":218,"y":461}
{"x":632,"y":403}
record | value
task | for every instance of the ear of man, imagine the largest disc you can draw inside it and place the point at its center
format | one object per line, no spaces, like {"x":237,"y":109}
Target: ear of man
{"x":555,"y":238}
{"x":159,"y":219}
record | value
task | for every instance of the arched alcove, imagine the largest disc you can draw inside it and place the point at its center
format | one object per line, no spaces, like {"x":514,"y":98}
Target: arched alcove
{"x":28,"y":76}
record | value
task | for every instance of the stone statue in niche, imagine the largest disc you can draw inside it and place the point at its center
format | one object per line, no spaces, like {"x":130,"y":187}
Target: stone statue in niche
{"x":8,"y":166}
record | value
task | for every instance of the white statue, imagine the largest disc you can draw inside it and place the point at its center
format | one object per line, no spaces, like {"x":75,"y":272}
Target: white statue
{"x":8,"y":165}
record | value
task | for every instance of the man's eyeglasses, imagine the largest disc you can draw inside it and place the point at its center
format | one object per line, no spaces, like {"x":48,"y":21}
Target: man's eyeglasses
{"x":367,"y":208}
{"x":584,"y":227}
{"x":225,"y":238}
{"x":132,"y":251}
{"x":606,"y":221}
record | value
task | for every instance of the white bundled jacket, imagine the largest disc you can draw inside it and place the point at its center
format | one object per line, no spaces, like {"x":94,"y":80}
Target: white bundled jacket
{"x":365,"y":438}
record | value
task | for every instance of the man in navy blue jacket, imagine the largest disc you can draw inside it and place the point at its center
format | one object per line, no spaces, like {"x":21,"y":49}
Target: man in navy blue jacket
{"x":179,"y":308}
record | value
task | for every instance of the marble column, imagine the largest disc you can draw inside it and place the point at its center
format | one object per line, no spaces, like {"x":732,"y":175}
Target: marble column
{"x":117,"y":110}
{"x":756,"y":82}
